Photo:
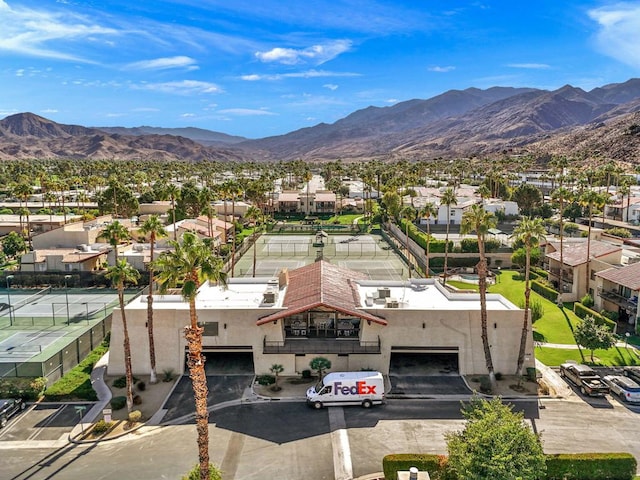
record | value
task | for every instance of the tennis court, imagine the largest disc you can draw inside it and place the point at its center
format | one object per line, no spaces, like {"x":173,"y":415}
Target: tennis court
{"x":21,"y":346}
{"x":366,"y":253}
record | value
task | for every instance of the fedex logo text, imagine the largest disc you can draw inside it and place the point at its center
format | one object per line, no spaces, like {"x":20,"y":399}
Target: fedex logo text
{"x":360,"y":388}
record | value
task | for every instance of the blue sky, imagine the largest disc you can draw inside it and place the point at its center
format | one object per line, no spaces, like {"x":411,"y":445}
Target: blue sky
{"x":258,"y":68}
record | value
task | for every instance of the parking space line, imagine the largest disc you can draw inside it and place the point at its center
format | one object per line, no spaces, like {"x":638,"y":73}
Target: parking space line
{"x":49,"y":420}
{"x":342,"y":465}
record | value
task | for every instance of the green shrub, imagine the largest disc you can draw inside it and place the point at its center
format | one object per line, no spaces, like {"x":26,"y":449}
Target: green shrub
{"x":118,"y":402}
{"x":591,"y":466}
{"x":581,"y":311}
{"x":546,"y":292}
{"x":168,"y":375}
{"x":587,"y":301}
{"x":134,"y":416}
{"x":399,"y":462}
{"x":141,"y":386}
{"x":266,"y":379}
{"x":76,"y":383}
{"x":30,"y":388}
{"x":194,"y":473}
{"x":306,"y":373}
{"x":101,"y":427}
{"x":618,"y":232}
{"x":121,"y":382}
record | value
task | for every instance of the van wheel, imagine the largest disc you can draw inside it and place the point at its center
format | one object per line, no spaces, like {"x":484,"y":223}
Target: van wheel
{"x":366,"y":404}
{"x":317,"y":405}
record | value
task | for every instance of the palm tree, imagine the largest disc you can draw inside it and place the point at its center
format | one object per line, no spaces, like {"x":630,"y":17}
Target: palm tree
{"x":173,"y":191}
{"x":429,"y":210}
{"x":561,"y":195}
{"x":479,"y":220}
{"x":530,"y":231}
{"x":190,"y":264}
{"x":115,"y":232}
{"x":119,"y":274}
{"x":590,"y":199}
{"x":254,"y":214}
{"x":448,"y":198}
{"x":408,"y":213}
{"x":154,"y":228}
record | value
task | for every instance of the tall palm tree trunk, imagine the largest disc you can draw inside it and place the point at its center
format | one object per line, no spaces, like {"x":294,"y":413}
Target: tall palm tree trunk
{"x":153,"y":378}
{"x":127,"y":352}
{"x":446,"y":249}
{"x":525,"y":321}
{"x":482,"y":284}
{"x":426,"y":268}
{"x":560,"y":277}
{"x":406,"y":244}
{"x":195,"y":363}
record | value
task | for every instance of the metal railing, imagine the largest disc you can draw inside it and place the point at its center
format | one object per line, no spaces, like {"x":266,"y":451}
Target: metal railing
{"x":321,"y":346}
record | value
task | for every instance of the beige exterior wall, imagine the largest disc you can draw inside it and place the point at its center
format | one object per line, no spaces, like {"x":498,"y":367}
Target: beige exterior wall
{"x":442,"y":328}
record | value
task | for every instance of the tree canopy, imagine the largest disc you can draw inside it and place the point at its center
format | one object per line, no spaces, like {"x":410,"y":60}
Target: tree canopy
{"x":495,"y":444}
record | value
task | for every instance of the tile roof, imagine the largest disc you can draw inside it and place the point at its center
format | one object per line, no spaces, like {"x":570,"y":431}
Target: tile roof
{"x":575,"y":254}
{"x":628,"y":276}
{"x":321,"y":284}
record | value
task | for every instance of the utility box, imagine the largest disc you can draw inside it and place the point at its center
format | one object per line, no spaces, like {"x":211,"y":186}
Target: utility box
{"x":413,"y":474}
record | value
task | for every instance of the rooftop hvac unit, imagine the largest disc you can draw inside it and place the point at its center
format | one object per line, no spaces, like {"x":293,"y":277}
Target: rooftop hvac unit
{"x":269,"y":297}
{"x":83,"y":247}
{"x":138,"y":248}
{"x":384,"y":292}
{"x":392,"y":303}
{"x":273,"y":282}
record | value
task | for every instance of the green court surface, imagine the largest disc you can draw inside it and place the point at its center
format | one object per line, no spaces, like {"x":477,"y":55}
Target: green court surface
{"x":369,"y":254}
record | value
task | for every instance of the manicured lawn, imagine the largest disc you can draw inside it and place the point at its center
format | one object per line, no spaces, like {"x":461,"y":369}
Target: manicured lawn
{"x":556,"y":324}
{"x":462,"y":285}
{"x":346,"y":219}
{"x":613,"y":356}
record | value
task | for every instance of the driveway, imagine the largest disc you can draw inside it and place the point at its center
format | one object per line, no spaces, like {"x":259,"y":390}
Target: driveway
{"x":222,"y":388}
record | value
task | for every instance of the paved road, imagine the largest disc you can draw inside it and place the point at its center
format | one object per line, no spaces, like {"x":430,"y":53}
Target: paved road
{"x":287,"y":440}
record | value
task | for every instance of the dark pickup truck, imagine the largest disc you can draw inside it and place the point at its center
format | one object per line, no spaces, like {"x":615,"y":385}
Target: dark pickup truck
{"x":585,"y":378}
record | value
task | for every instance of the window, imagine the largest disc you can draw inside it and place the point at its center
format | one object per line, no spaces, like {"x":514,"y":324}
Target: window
{"x":593,"y":275}
{"x":210,"y":329}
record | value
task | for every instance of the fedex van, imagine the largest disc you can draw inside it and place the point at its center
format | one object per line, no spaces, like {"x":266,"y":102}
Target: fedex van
{"x":347,"y":388}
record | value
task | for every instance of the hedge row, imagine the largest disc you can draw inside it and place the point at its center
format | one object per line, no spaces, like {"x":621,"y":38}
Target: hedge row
{"x":581,"y":311}
{"x":576,"y":466}
{"x":591,"y":466}
{"x":546,"y":292}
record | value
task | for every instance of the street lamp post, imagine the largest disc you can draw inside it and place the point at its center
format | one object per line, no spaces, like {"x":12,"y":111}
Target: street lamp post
{"x":9,"y":277}
{"x":66,"y":295}
{"x":626,"y":339}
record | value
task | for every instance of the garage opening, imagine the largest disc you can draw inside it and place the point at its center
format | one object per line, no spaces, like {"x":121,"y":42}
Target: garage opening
{"x":424,"y":363}
{"x":227,"y":363}
{"x":426,"y":372}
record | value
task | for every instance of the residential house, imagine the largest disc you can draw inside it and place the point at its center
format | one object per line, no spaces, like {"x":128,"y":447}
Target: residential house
{"x":575,"y":281}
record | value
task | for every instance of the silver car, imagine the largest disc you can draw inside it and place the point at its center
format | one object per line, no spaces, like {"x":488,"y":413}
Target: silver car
{"x":627,"y":389}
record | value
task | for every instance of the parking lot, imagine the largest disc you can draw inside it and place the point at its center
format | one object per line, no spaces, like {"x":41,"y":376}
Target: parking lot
{"x":43,"y":422}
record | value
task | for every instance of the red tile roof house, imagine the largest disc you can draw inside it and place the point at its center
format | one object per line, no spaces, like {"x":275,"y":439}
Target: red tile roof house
{"x":575,"y":281}
{"x":617,"y":290}
{"x":325,"y":310}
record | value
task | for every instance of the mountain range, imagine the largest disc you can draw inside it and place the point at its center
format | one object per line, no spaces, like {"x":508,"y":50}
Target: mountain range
{"x":457,"y":123}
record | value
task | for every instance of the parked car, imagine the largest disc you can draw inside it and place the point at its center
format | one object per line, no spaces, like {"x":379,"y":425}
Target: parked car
{"x":633,"y":373}
{"x":626,"y":388}
{"x":585,"y":378}
{"x":8,"y":408}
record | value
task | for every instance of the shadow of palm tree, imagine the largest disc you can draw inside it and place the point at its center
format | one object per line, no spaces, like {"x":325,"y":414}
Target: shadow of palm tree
{"x":539,"y":337}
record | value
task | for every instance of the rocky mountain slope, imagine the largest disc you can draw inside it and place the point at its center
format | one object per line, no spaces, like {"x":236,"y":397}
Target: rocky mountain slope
{"x":456,"y":123}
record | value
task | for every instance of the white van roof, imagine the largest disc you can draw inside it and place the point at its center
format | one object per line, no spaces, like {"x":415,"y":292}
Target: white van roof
{"x":333,"y":376}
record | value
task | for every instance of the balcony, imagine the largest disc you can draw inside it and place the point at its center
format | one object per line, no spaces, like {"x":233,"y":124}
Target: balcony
{"x":619,"y":300}
{"x":321,"y":346}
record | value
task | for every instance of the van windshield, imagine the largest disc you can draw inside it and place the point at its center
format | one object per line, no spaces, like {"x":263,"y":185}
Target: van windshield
{"x":319,"y":386}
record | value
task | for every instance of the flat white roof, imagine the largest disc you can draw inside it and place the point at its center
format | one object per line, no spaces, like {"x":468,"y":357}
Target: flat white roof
{"x":426,"y":294}
{"x":239,"y":294}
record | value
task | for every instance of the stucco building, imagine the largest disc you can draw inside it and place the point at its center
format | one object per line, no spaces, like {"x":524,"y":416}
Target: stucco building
{"x":324,"y":310}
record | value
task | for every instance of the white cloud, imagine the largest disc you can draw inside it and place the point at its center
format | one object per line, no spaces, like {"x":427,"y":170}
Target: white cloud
{"x":440,"y":69}
{"x":49,"y":110}
{"x":391,"y":100}
{"x":20,"y":72}
{"x":29,"y":32}
{"x":619,"y":31}
{"x":306,"y":74}
{"x":184,"y":87}
{"x":188,"y":115}
{"x":331,"y":86}
{"x":243,"y":112}
{"x":164,"y":63}
{"x":531,"y":66}
{"x":316,"y":54}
